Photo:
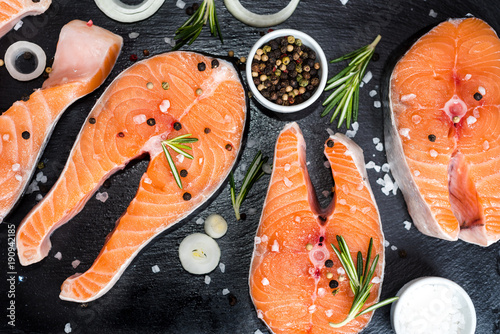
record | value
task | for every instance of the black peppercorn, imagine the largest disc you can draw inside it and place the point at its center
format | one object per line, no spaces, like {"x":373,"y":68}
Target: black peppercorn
{"x":291,"y":67}
{"x":333,"y":284}
{"x":306,"y":75}
{"x":478,"y":96}
{"x":294,"y":83}
{"x":328,"y":263}
{"x":283,"y":49}
{"x":330,"y":143}
{"x":121,"y":134}
{"x":312,"y":55}
{"x":274,"y":96}
{"x":207,"y":130}
{"x":314,"y":81}
{"x":189,"y":11}
{"x":151,"y":122}
{"x":26,"y":135}
{"x":432,"y":138}
{"x":92,"y":120}
{"x":215,"y":63}
{"x":25,"y":98}
{"x":183,"y":173}
{"x":375,"y":56}
{"x":310,"y":87}
{"x":273,"y":44}
{"x":201,"y":66}
{"x":232,"y":299}
{"x":177,"y":126}
{"x":186,"y":196}
{"x":229,"y":147}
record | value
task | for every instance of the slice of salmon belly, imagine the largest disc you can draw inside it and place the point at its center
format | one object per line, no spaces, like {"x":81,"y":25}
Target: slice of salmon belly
{"x":26,"y":127}
{"x":12,"y":11}
{"x":121,"y":133}
{"x":442,"y":143}
{"x":288,"y":283}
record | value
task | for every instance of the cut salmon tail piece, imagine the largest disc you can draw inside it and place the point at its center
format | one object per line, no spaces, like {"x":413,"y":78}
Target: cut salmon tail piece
{"x":84,"y":58}
{"x":12,"y":11}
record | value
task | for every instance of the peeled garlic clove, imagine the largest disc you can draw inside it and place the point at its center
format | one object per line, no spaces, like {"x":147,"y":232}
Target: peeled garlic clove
{"x":215,"y":226}
{"x":199,"y":253}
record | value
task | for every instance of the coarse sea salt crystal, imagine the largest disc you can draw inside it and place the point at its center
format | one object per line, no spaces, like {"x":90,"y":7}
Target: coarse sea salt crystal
{"x":169,"y":41}
{"x":75,"y":263}
{"x":258,"y":331}
{"x":343,"y":2}
{"x":133,"y":35}
{"x":372,"y":93}
{"x":222,"y":267}
{"x":252,"y":211}
{"x":350,"y":133}
{"x":297,"y":219}
{"x":360,"y":186}
{"x":486,"y":145}
{"x":251,"y":143}
{"x":181,"y":4}
{"x":386,"y":243}
{"x":43,"y":179}
{"x":148,"y":180}
{"x":432,"y":13}
{"x":433,"y":153}
{"x":394,"y":248}
{"x":200,"y":161}
{"x":180,"y":158}
{"x":39,"y":176}
{"x":467,"y":77}
{"x":164,"y":105}
{"x":207,"y":279}
{"x":352,"y":209}
{"x":416,"y":119}
{"x":276,"y":246}
{"x":379,"y":147}
{"x":200,"y":221}
{"x":260,"y":315}
{"x":103,"y":197}
{"x":265,"y":281}
{"x":19,"y":177}
{"x":39,"y":197}
{"x":287,"y":182}
{"x":58,"y":255}
{"x":312,"y":308}
{"x":329,"y":313}
{"x":18,"y":25}
{"x":325,"y":193}
{"x":342,"y":202}
{"x":407,"y":97}
{"x":355,"y":126}
{"x":377,"y":104}
{"x":376,"y":280}
{"x":365,"y":210}
{"x":264,"y":238}
{"x":287,"y":167}
{"x":385,"y":167}
{"x":481,"y":90}
{"x":67,"y":328}
{"x":155,"y":269}
{"x":15,"y":167}
{"x":416,"y":173}
{"x":471,"y":120}
{"x":405,"y":132}
{"x":5,"y":137}
{"x":257,"y":240}
{"x":321,"y":292}
{"x":368,"y":76}
{"x":475,"y":112}
{"x":266,"y":168}
{"x":407,"y":225}
{"x":139,"y":119}
{"x":340,"y":271}
{"x":376,"y":140}
{"x":225,"y":292}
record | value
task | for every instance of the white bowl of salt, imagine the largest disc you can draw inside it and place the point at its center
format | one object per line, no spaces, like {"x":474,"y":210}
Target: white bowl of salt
{"x":429,"y":305}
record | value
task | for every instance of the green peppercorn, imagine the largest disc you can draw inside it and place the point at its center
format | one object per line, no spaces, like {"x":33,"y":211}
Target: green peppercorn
{"x":291,"y":39}
{"x":298,"y":68}
{"x":165,"y":85}
{"x":303,"y":83}
{"x":266,"y":49}
{"x":298,"y":42}
{"x":277,"y":73}
{"x":286,"y":60}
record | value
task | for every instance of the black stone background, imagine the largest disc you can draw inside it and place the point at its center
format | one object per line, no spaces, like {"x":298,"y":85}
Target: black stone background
{"x":173,"y":301}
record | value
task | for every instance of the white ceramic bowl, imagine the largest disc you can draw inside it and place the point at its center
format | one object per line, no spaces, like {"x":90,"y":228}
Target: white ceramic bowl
{"x":320,"y":57}
{"x":404,"y":293}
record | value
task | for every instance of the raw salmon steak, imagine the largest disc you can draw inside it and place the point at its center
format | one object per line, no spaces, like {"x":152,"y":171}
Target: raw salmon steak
{"x":443,"y":131}
{"x":12,"y":11}
{"x":156,"y":99}
{"x":26,"y":127}
{"x":290,"y":275}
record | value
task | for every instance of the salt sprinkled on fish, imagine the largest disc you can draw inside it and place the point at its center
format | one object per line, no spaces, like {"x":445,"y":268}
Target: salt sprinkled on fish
{"x":287,"y":167}
{"x":155,"y":269}
{"x":15,"y":167}
{"x":329,"y":313}
{"x":260,"y":315}
{"x":471,"y":120}
{"x":416,"y":173}
{"x":265,"y":238}
{"x":265,"y":281}
{"x":433,"y":153}
{"x":139,"y":119}
{"x":386,"y":243}
{"x":486,"y":145}
{"x":5,"y":137}
{"x":376,"y":280}
{"x":19,"y":177}
{"x":342,"y":202}
{"x":416,"y":119}
{"x":164,"y":105}
{"x":475,"y":112}
{"x":467,"y":77}
{"x":148,"y":180}
{"x":312,"y":308}
{"x":405,"y":132}
{"x":340,"y":271}
{"x":366,"y":210}
{"x":180,"y":158}
{"x":257,"y":240}
{"x":407,"y":97}
{"x":481,"y":90}
{"x":276,"y":246}
{"x":103,"y":197}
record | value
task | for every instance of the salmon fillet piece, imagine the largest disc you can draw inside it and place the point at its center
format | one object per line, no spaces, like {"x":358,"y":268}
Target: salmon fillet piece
{"x":442,"y":132}
{"x":288,"y":283}
{"x":25,"y":128}
{"x":134,"y":115}
{"x":12,"y":11}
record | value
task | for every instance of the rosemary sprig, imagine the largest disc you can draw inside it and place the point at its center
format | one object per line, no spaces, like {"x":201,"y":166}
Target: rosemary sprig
{"x":192,"y":28}
{"x":254,"y":173}
{"x":359,"y":280}
{"x":346,"y":94}
{"x":177,"y":145}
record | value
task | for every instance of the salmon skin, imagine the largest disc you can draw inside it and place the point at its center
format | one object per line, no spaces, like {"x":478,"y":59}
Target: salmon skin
{"x":25,"y":128}
{"x":442,"y":134}
{"x":160,"y":98}
{"x":288,"y":275}
{"x":12,"y":11}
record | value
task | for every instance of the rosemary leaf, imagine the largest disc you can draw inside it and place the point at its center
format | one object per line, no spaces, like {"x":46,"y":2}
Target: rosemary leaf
{"x":176,"y":144}
{"x":346,"y":97}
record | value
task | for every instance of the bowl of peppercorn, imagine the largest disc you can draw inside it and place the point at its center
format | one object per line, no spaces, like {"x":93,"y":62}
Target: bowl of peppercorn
{"x":286,"y":70}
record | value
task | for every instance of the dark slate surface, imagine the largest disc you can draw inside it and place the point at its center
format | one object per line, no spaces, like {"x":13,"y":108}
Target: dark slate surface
{"x":173,"y":301}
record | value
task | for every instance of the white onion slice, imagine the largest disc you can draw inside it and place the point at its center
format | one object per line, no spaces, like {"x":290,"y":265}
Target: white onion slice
{"x":18,"y":49}
{"x":215,"y":226}
{"x":199,"y":254}
{"x":257,"y":20}
{"x":121,"y":12}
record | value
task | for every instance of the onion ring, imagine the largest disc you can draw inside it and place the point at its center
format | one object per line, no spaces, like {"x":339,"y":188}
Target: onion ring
{"x":16,"y":50}
{"x":260,"y":21}
{"x":121,"y":12}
